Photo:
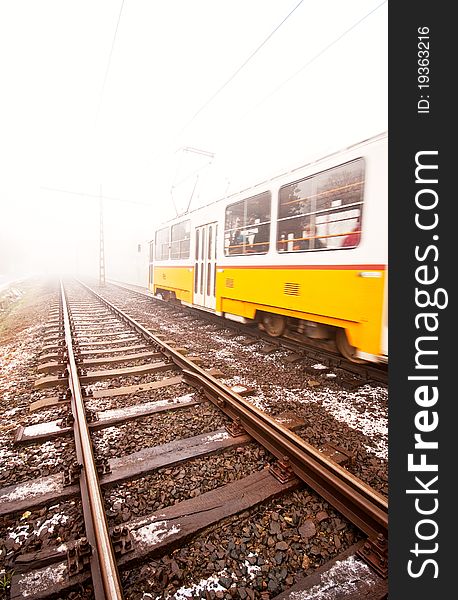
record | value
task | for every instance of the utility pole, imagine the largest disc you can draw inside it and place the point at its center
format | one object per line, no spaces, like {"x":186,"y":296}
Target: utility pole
{"x":101,"y":228}
{"x":102,"y":246}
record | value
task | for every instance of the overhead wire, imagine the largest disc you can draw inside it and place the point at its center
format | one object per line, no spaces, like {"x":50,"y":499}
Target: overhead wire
{"x":315,"y":57}
{"x":242,"y":66}
{"x":285,"y":82}
{"x":98,"y":196}
{"x":307,"y":64}
{"x":109,"y":61}
{"x":237,"y":71}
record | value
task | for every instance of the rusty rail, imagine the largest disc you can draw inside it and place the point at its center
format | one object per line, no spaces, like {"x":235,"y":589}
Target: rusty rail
{"x":363,"y":506}
{"x":105,"y":576}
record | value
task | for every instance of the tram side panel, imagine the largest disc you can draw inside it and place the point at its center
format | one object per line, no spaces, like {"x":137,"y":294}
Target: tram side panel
{"x":171,"y":270}
{"x":344,"y":288}
{"x":175,"y":279}
{"x":338,"y":296}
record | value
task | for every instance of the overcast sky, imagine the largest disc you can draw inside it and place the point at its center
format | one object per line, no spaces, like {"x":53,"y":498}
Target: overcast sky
{"x":105,"y":95}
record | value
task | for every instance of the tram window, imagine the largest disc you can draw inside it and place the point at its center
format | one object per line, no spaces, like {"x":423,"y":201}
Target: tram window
{"x":151,"y":252}
{"x":322,"y":212}
{"x":181,"y":234}
{"x":162,"y":242}
{"x":247,"y":226}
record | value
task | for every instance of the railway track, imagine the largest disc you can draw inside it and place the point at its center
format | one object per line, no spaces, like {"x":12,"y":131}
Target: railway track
{"x":106,"y":550}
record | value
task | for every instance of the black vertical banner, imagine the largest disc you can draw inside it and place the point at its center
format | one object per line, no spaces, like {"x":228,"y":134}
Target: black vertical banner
{"x":423,"y":237}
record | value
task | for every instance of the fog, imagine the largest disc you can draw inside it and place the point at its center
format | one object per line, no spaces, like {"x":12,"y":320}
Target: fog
{"x":158,"y":106}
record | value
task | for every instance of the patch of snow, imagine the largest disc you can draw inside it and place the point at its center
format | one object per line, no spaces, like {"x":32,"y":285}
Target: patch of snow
{"x":22,"y":531}
{"x":39,"y":428}
{"x":238,"y":388}
{"x":37,"y":581}
{"x":211,"y":583}
{"x":364,"y":409}
{"x":49,"y":524}
{"x":47,"y":454}
{"x":98,"y":385}
{"x":33,"y":488}
{"x":216,"y":437}
{"x":251,"y":569}
{"x":352,"y":408}
{"x":109,"y":437}
{"x":154,"y":533}
{"x":344,"y":577}
{"x":129,"y":411}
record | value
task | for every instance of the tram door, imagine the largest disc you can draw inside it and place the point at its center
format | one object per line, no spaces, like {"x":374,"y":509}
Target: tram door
{"x":205,"y":266}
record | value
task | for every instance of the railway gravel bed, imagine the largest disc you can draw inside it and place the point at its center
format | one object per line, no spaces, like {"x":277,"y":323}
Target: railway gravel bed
{"x":356,"y":420}
{"x":119,"y":402}
{"x":262,"y":550}
{"x":158,"y":429}
{"x":169,"y":486}
{"x":256,"y":554}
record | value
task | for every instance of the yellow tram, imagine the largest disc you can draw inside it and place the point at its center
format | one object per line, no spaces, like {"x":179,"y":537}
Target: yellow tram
{"x":304,"y":252}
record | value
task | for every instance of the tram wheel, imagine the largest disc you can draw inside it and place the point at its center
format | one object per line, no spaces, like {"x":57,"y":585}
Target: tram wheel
{"x":274,"y":325}
{"x":345,"y":348}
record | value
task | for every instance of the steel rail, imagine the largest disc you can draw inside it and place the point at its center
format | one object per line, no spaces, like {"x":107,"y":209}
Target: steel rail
{"x":105,"y":575}
{"x":361,"y":504}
